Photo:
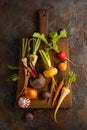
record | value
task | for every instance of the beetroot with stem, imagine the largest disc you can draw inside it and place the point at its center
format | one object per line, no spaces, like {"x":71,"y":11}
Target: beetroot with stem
{"x":38,"y":82}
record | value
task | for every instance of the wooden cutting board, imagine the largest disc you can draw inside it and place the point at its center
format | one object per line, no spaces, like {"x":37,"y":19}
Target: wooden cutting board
{"x":40,"y":103}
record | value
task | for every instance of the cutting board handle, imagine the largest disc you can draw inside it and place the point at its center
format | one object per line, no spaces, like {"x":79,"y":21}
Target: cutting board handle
{"x":43,"y":17}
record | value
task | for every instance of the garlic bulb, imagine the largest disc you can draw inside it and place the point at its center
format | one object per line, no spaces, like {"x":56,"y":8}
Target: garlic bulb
{"x":24,"y":102}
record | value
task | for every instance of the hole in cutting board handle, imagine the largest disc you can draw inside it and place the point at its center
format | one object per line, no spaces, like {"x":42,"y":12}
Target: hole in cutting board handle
{"x":43,"y":15}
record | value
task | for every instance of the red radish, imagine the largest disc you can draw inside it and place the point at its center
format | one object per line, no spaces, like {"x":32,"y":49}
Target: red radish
{"x":62,"y":56}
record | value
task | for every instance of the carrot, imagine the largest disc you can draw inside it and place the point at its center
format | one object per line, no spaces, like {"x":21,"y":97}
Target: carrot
{"x":64,"y":92}
{"x":61,"y":83}
{"x":71,"y":77}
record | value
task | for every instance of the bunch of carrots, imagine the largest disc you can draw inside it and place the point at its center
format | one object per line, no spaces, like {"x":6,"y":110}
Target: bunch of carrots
{"x":63,"y":89}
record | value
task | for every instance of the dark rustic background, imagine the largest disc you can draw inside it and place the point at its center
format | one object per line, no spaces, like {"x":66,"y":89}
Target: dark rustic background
{"x":19,"y":18}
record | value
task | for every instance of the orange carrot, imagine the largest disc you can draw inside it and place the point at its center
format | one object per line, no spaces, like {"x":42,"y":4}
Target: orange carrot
{"x":61,"y":83}
{"x":71,"y":77}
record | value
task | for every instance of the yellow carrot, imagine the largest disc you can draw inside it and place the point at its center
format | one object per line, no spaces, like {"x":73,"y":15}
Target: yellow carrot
{"x":61,"y":83}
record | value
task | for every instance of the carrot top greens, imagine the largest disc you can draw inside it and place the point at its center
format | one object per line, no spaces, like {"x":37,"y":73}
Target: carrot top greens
{"x":70,"y":78}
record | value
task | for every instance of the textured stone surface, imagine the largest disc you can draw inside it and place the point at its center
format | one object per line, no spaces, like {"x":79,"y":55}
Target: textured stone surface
{"x":19,"y":18}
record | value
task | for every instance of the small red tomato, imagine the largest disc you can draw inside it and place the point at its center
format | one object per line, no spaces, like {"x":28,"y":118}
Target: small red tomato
{"x":31,"y":93}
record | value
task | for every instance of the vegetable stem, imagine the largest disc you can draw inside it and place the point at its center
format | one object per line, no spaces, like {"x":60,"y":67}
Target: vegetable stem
{"x":24,"y":87}
{"x":46,"y":58}
{"x":24,"y":46}
{"x":52,"y":89}
{"x":36,"y":45}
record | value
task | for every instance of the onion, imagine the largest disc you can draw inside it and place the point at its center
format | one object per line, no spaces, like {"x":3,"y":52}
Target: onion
{"x":31,"y":93}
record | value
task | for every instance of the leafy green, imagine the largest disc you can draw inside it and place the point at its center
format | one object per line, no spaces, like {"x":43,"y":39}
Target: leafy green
{"x":63,"y":34}
{"x":54,"y":36}
{"x":41,"y":36}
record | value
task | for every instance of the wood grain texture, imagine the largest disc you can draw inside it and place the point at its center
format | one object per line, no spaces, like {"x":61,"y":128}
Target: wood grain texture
{"x":43,"y":21}
{"x":63,"y":45}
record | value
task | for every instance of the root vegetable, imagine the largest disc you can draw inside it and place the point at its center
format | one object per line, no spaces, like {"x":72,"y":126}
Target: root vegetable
{"x":34,"y":58}
{"x":31,"y":93}
{"x":24,"y":60}
{"x":51,"y":71}
{"x":25,"y":55}
{"x":71,"y":77}
{"x":62,"y":56}
{"x":38,"y":82}
{"x":29,"y":116}
{"x":60,"y":85}
{"x":64,"y":92}
{"x":62,"y":66}
{"x":45,"y":94}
